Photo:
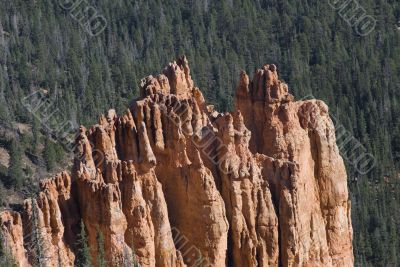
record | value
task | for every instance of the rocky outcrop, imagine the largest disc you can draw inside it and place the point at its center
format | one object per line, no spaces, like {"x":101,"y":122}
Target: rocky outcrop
{"x":174,"y":183}
{"x":316,"y":197}
{"x":12,"y":236}
{"x":48,"y":223}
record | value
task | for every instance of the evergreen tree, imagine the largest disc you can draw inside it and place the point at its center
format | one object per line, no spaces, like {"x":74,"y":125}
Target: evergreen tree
{"x":6,"y":260}
{"x":3,"y":111}
{"x":101,"y":260}
{"x":15,"y":172}
{"x":2,"y":245}
{"x":36,"y":136}
{"x":49,"y":154}
{"x":37,"y":249}
{"x":83,"y":258}
{"x":135,"y":262}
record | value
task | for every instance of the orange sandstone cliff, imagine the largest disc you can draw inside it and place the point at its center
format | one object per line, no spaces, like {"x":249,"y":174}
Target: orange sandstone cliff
{"x":172,"y":182}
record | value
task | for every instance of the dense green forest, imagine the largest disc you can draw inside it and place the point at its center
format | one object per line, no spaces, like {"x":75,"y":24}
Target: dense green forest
{"x":42,"y":47}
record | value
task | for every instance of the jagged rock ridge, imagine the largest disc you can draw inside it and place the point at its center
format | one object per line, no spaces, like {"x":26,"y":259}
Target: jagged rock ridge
{"x":176,"y":183}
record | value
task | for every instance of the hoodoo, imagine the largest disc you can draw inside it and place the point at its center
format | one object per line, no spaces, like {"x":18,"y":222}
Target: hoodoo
{"x":174,"y":183}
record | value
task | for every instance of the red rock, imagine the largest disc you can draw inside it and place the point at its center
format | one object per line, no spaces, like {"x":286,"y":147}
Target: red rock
{"x":176,"y":183}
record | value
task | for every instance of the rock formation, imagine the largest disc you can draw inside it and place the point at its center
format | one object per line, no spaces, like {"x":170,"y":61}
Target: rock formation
{"x":174,"y":183}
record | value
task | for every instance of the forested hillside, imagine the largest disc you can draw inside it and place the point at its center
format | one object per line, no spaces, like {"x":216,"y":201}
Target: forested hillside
{"x":317,"y":53}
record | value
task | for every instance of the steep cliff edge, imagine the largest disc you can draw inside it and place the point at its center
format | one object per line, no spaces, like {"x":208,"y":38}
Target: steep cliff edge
{"x":172,"y":182}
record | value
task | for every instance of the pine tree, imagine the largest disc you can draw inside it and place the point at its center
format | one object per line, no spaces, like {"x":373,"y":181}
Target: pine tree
{"x":84,"y":258}
{"x":3,"y":111}
{"x":2,"y":245}
{"x":36,"y":135}
{"x":37,"y":248}
{"x":49,"y":155}
{"x":135,"y":262}
{"x":101,"y":261}
{"x":6,"y":260}
{"x":15,"y":172}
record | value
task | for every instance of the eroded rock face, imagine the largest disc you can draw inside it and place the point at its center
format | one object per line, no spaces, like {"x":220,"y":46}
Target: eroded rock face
{"x":174,"y":183}
{"x":320,"y":232}
{"x":13,"y":237}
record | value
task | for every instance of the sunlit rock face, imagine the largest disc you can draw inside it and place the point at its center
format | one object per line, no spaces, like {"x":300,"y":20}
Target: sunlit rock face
{"x":312,"y":202}
{"x":172,"y":182}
